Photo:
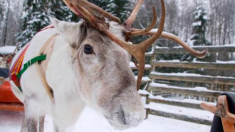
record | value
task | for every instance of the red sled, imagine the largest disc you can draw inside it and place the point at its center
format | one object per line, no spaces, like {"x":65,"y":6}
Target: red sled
{"x":8,"y":101}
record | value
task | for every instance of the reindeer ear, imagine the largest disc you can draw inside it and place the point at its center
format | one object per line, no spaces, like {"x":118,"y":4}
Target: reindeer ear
{"x":54,"y":21}
{"x":69,"y":31}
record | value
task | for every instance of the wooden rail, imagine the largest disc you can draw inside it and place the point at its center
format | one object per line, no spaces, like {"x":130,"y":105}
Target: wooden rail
{"x":193,"y":78}
{"x":175,"y":103}
{"x":147,"y":67}
{"x":149,"y":54}
{"x":215,"y":82}
{"x":173,"y":89}
{"x":211,"y":49}
{"x":179,"y":117}
{"x":215,"y":66}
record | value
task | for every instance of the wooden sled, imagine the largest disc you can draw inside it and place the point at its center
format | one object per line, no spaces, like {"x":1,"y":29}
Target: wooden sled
{"x":8,"y":101}
{"x":222,"y":110}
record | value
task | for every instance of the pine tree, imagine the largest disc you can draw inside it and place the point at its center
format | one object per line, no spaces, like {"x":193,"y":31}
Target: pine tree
{"x":199,"y":27}
{"x":119,"y":8}
{"x":36,"y":16}
{"x":1,"y":11}
{"x":60,"y":11}
{"x":34,"y":19}
{"x":198,"y":37}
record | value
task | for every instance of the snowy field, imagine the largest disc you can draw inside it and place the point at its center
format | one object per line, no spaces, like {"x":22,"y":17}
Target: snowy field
{"x":90,"y":121}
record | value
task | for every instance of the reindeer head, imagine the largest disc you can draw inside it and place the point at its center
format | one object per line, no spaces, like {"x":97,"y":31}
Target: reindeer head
{"x":102,"y":60}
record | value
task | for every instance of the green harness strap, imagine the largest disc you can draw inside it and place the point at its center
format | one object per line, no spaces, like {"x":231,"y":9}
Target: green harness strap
{"x":31,"y":62}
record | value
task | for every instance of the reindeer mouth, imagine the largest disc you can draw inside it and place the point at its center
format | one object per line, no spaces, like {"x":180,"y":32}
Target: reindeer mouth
{"x":121,"y":120}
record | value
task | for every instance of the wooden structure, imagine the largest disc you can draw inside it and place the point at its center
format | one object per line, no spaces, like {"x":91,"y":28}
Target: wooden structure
{"x":222,"y":110}
{"x":213,"y":85}
{"x":8,"y":101}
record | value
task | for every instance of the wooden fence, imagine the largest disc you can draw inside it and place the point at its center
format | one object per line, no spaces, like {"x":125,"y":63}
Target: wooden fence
{"x":214,"y":85}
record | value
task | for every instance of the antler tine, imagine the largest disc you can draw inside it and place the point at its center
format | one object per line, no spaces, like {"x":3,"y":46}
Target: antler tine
{"x":198,"y":54}
{"x":86,"y":14}
{"x":128,"y":23}
{"x":154,"y":21}
{"x":91,"y":7}
{"x":151,"y":40}
{"x":72,"y":7}
{"x":170,"y":36}
{"x":144,"y":46}
{"x":77,"y":6}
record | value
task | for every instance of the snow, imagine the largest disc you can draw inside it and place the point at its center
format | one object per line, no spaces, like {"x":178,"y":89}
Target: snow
{"x":7,"y":49}
{"x":205,"y":17}
{"x":154,"y":30}
{"x":149,"y":53}
{"x":225,"y":62}
{"x":205,"y":47}
{"x":182,"y":88}
{"x":189,"y":74}
{"x":132,"y":65}
{"x":178,"y":74}
{"x":144,"y":92}
{"x":180,"y":100}
{"x":90,"y":121}
{"x":202,"y":114}
{"x":195,"y":61}
{"x":169,"y":61}
{"x":195,"y":24}
{"x":145,"y":79}
{"x":190,"y":42}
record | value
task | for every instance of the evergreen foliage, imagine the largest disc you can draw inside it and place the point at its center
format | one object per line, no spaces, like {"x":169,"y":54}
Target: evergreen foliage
{"x":36,"y":16}
{"x":119,"y":8}
{"x":1,"y":11}
{"x":34,"y":19}
{"x":198,"y":37}
{"x":199,"y":27}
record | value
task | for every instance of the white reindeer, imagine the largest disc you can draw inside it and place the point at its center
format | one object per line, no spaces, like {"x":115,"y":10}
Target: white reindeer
{"x":85,"y":66}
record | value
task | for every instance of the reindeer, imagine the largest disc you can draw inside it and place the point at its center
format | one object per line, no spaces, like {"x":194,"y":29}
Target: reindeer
{"x":87,"y":64}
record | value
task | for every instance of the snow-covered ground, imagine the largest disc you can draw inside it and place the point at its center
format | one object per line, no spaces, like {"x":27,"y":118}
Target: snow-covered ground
{"x":7,"y":49}
{"x":90,"y":121}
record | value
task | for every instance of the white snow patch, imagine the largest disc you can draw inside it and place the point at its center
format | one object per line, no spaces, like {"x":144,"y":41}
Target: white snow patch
{"x":169,"y":61}
{"x":144,"y":92}
{"x":183,"y":88}
{"x":132,"y":65}
{"x":225,"y":62}
{"x":7,"y":50}
{"x":187,"y":74}
{"x":195,"y":24}
{"x":181,"y":110}
{"x":145,"y":79}
{"x":180,"y":100}
{"x":91,"y":121}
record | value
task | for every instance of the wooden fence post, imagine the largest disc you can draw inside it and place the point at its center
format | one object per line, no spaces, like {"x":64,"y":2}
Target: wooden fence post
{"x":147,"y":99}
{"x":147,"y":113}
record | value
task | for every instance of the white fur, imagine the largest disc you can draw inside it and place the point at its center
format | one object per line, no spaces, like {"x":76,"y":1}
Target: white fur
{"x":72,"y":89}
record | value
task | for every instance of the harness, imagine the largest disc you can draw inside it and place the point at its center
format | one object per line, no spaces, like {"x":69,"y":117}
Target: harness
{"x":40,"y":61}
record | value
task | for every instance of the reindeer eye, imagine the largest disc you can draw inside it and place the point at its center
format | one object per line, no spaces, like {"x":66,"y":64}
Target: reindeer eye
{"x":88,"y":49}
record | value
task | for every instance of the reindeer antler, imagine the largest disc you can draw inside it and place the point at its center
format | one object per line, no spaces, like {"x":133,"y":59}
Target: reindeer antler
{"x":77,"y":5}
{"x":96,"y":17}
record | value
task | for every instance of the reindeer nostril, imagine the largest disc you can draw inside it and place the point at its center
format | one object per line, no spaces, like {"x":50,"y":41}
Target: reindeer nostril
{"x":123,"y":117}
